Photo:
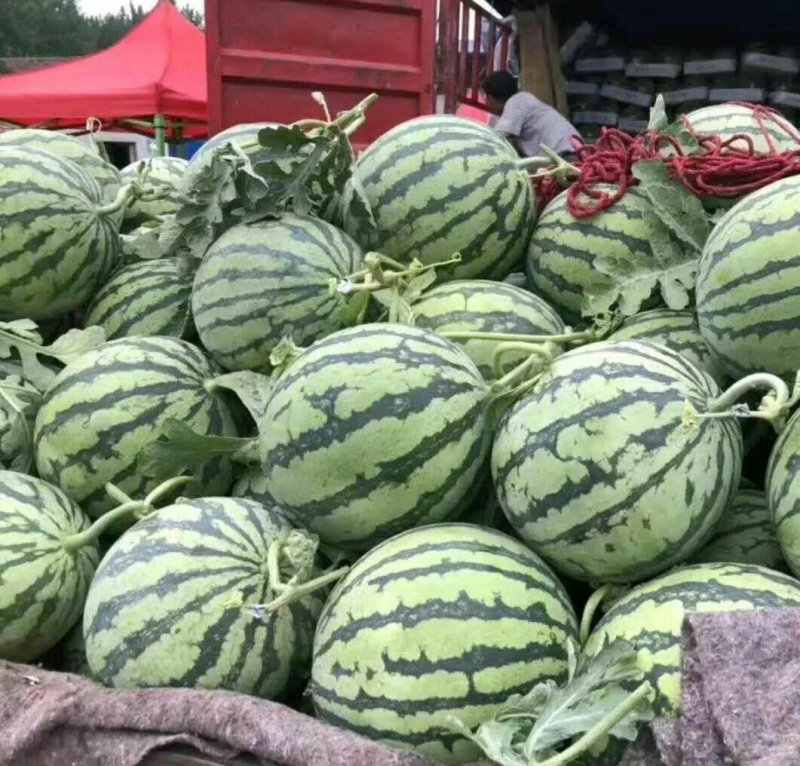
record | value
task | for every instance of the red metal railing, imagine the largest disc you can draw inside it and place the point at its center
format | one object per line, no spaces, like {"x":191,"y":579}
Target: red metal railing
{"x":469,"y":37}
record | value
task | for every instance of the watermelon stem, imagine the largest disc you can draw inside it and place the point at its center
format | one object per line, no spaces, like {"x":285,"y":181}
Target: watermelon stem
{"x":539,"y":356}
{"x":773,"y":407}
{"x":585,"y":336}
{"x":136,"y":508}
{"x":600,"y":729}
{"x":293,"y":592}
{"x":124,"y":197}
{"x":595,"y":600}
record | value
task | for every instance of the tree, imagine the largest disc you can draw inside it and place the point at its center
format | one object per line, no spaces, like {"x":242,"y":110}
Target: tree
{"x":57,"y":28}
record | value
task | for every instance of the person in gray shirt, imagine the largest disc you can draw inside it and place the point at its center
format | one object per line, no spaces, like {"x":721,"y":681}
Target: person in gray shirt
{"x":524,"y":120}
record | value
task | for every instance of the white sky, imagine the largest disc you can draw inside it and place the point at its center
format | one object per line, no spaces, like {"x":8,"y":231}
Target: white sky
{"x":101,"y":7}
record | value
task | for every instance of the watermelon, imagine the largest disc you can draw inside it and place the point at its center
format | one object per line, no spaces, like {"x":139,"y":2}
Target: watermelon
{"x":241,"y":135}
{"x":69,"y":655}
{"x":598,"y":472}
{"x":252,"y":484}
{"x":562,"y":251}
{"x":261,"y":282}
{"x":485,"y":306}
{"x":144,"y":298}
{"x":744,"y":534}
{"x":729,"y":120}
{"x":650,"y":616}
{"x":783,"y":483}
{"x":748,"y":284}
{"x":58,"y":241}
{"x":677,"y":329}
{"x":163,"y":182}
{"x":172,"y":604}
{"x":107,"y":406}
{"x":374,"y":430}
{"x":68,"y":148}
{"x":43,"y":582}
{"x":448,"y":619}
{"x":440,"y":185}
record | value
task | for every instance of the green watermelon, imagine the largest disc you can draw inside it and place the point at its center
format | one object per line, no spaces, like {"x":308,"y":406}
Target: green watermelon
{"x":677,"y":329}
{"x":58,"y":241}
{"x":374,"y":430}
{"x":440,"y":185}
{"x":729,"y":120}
{"x":485,"y":306}
{"x":744,"y":534}
{"x":261,"y":282}
{"x":598,"y":472}
{"x":144,"y":298}
{"x":748,"y":284}
{"x":172,"y":604}
{"x":783,"y":491}
{"x":650,"y":616}
{"x":43,"y":581}
{"x":449,"y":619}
{"x":68,"y":148}
{"x":164,"y":180}
{"x":562,"y":251}
{"x":111,"y":403}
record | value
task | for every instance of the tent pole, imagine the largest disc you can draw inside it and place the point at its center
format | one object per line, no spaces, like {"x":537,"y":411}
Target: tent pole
{"x":160,"y":125}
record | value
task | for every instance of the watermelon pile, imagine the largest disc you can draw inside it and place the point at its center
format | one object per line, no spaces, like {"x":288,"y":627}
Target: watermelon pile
{"x":289,"y":420}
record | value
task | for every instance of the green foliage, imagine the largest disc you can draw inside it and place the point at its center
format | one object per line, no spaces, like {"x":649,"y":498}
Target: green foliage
{"x":57,"y":28}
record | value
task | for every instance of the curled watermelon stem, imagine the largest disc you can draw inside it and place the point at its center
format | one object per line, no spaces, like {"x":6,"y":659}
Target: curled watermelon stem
{"x":538,"y":358}
{"x":126,"y":195}
{"x":129,"y":508}
{"x":592,"y":605}
{"x":293,"y":557}
{"x":774,"y":406}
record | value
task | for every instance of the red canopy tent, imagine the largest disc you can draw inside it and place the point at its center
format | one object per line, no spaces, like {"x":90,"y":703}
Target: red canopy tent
{"x":151,"y":81}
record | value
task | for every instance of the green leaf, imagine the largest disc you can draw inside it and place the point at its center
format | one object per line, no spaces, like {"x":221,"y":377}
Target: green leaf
{"x":658,"y":115}
{"x":252,"y":388}
{"x":419,"y":284}
{"x":594,"y":692}
{"x":21,"y":337}
{"x":596,"y":701}
{"x":181,"y":450}
{"x":682,"y":213}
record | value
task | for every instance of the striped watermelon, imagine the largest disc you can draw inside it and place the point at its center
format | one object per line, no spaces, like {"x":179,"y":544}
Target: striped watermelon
{"x":597,"y":471}
{"x":244,"y":136}
{"x":252,"y":485}
{"x":562,"y":251}
{"x":58,"y":242}
{"x":260,"y":282}
{"x":109,"y":404}
{"x":744,"y":534}
{"x":43,"y":583}
{"x":728,"y":120}
{"x":485,"y":306}
{"x":783,"y":491}
{"x":163,"y":179}
{"x":449,"y":619}
{"x":748,"y":284}
{"x":144,"y":298}
{"x":241,"y":135}
{"x":169,"y":604}
{"x":677,"y":329}
{"x":441,"y":185}
{"x":374,"y":430}
{"x":68,"y":148}
{"x":650,"y":616}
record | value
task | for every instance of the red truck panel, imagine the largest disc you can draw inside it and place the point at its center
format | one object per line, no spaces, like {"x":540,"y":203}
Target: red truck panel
{"x":266,"y":57}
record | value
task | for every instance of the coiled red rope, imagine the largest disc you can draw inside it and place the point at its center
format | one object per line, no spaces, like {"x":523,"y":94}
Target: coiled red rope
{"x":723,"y":167}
